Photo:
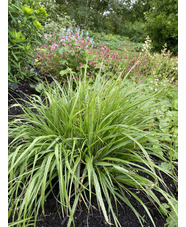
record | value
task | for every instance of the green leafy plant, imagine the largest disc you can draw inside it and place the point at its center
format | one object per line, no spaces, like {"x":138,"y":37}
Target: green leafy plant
{"x":165,"y":120}
{"x":162,"y":24}
{"x":161,"y":66}
{"x":25,"y":20}
{"x":93,"y":140}
{"x":172,"y":220}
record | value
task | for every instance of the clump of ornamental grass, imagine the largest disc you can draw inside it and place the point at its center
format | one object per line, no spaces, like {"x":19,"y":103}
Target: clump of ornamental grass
{"x":93,"y":140}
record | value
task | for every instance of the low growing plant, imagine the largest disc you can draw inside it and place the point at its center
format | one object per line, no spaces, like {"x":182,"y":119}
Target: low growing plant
{"x":93,"y":140}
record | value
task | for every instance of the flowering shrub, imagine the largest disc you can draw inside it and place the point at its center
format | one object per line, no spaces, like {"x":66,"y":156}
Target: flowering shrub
{"x":72,"y":49}
{"x":60,"y":54}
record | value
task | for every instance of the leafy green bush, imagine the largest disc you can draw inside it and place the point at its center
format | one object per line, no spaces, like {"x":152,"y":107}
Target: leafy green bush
{"x":25,"y":19}
{"x":162,"y":24}
{"x":164,"y":120}
{"x":164,"y":65}
{"x":135,"y":30}
{"x":161,"y":66}
{"x":94,"y":139}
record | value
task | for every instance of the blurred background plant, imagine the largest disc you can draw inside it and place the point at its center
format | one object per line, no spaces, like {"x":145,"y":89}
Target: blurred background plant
{"x":162,"y":24}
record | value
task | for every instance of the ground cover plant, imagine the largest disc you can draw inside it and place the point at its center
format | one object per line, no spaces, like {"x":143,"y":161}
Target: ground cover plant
{"x":96,"y":139}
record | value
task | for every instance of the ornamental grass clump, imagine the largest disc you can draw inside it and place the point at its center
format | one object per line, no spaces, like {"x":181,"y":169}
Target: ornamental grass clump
{"x":93,"y":140}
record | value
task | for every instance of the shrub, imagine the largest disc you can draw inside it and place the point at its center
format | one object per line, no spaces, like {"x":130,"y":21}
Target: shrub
{"x":57,"y":20}
{"x":161,"y":66}
{"x":94,"y":139}
{"x":61,"y":54}
{"x":135,"y":30}
{"x":25,"y":20}
{"x":162,"y":24}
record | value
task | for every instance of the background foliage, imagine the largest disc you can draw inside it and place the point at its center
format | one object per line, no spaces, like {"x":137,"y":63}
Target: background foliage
{"x":136,"y":19}
{"x":29,"y":20}
{"x":162,"y":24}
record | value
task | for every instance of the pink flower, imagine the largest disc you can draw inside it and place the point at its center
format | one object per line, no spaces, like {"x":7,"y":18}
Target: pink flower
{"x":130,"y":47}
{"x":127,"y":37}
{"x":88,"y":73}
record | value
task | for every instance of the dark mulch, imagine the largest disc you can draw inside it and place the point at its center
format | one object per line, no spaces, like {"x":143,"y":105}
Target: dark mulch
{"x":125,"y":215}
{"x":52,"y":217}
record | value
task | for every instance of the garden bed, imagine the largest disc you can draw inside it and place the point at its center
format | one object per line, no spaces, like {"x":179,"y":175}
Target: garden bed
{"x":125,"y":215}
